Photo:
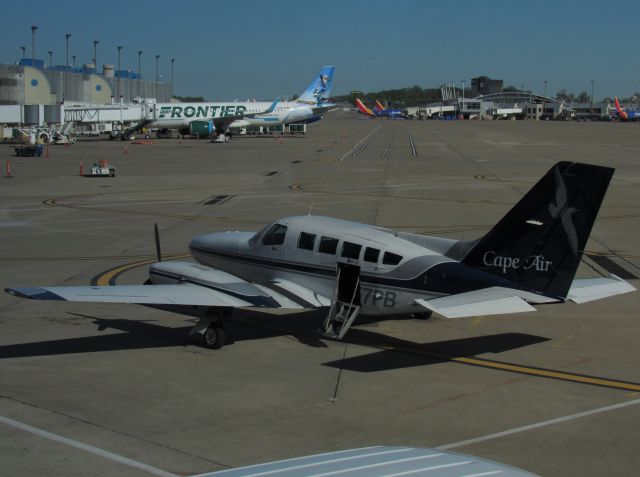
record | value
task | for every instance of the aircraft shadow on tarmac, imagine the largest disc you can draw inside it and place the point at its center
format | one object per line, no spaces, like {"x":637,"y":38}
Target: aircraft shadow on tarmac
{"x":394,"y":353}
{"x":397,"y":353}
{"x":145,"y":334}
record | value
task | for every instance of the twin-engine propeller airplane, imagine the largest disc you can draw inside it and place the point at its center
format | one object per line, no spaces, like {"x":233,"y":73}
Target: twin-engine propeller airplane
{"x":529,"y":257}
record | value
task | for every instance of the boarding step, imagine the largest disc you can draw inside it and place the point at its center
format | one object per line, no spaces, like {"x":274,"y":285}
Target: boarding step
{"x":345,"y":304}
{"x":340,"y":318}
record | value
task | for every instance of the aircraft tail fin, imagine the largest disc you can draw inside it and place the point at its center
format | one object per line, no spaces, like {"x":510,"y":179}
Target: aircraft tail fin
{"x":379,"y":106}
{"x":621,"y":112}
{"x":318,"y":91}
{"x":362,"y":108}
{"x":539,"y":243}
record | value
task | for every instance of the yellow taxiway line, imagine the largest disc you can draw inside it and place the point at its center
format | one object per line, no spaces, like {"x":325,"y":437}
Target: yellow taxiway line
{"x":109,"y":277}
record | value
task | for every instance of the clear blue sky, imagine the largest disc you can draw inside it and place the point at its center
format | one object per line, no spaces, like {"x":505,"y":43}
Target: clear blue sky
{"x":262,"y":49}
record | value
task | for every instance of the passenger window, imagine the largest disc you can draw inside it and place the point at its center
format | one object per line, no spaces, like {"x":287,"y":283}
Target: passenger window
{"x":306,"y":241}
{"x":371,"y":254}
{"x":275,"y":235}
{"x":328,"y":245}
{"x":351,"y":250}
{"x":391,"y":258}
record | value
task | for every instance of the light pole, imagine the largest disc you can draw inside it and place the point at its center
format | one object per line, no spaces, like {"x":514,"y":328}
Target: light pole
{"x":50,"y":58}
{"x":95,"y":54}
{"x":156,"y":93}
{"x":119,"y":72}
{"x":172,"y":61}
{"x":24,"y":49}
{"x":544,"y":101}
{"x":66,"y":69}
{"x":139,"y":70}
{"x":73,"y":61}
{"x":591,"y":106}
{"x":33,"y":41}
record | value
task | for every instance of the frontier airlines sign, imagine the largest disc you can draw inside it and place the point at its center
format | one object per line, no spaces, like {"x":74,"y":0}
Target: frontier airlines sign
{"x":201,"y":112}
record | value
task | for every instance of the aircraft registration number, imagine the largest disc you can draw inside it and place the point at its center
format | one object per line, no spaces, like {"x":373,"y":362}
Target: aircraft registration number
{"x":377,"y":297}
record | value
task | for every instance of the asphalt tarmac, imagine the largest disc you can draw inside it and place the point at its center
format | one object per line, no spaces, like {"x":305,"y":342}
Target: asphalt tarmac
{"x":90,"y":389}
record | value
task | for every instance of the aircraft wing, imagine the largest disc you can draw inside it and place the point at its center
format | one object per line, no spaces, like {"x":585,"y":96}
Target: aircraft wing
{"x":223,"y":123}
{"x":323,"y":108}
{"x":588,"y":289}
{"x":241,"y":294}
{"x":487,"y":301}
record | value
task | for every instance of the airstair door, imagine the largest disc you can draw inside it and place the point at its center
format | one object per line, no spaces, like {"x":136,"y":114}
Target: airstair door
{"x":345,"y":304}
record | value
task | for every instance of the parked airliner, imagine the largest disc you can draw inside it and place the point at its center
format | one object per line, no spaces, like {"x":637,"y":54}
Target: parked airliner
{"x":207,"y":118}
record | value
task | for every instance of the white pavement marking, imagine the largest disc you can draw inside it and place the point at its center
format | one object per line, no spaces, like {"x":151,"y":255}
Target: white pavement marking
{"x":360,"y":142}
{"x":537,"y":425}
{"x":86,"y":447}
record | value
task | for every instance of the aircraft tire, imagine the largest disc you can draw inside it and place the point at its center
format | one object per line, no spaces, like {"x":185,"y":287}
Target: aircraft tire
{"x":214,"y":337}
{"x":422,"y":316}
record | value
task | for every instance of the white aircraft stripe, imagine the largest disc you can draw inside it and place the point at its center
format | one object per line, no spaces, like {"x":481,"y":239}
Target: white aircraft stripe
{"x":399,"y":461}
{"x":85,"y":447}
{"x":324,"y":462}
{"x":287,"y":460}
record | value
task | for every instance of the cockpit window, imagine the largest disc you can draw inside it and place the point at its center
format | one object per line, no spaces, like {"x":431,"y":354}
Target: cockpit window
{"x":254,"y":240}
{"x":371,"y":254}
{"x":328,"y":245}
{"x":306,"y":241}
{"x":275,"y":235}
{"x":351,"y":250}
{"x":390,"y":258}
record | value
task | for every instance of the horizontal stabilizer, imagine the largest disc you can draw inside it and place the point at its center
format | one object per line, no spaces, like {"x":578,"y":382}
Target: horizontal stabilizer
{"x":487,"y":301}
{"x":588,"y":289}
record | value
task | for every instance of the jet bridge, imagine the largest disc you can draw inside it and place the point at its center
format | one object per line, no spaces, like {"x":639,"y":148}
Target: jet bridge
{"x":137,"y":115}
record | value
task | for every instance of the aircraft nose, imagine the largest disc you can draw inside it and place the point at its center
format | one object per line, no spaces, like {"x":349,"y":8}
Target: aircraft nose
{"x":220,"y":241}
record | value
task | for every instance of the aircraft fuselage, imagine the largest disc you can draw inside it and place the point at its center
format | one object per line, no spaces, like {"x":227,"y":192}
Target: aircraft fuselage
{"x":172,"y":115}
{"x":393,"y":270}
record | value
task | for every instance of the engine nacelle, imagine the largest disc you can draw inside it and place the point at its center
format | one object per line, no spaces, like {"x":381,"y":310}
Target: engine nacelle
{"x":201,"y":128}
{"x":177,"y":272}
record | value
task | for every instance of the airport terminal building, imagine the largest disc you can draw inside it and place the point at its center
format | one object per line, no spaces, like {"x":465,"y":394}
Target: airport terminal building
{"x":30,"y":82}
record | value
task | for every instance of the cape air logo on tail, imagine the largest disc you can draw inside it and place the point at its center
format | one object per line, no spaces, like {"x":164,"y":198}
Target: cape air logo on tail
{"x":317,"y":93}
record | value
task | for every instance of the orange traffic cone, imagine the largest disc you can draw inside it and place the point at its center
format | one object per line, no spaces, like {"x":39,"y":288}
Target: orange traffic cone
{"x":81,"y":169}
{"x":9,"y":176}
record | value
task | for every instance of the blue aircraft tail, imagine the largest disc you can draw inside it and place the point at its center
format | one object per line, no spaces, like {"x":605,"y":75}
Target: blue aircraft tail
{"x":317,"y":93}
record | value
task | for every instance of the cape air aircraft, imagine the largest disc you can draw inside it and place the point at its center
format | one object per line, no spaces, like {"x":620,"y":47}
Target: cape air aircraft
{"x":529,"y":257}
{"x":210,"y":118}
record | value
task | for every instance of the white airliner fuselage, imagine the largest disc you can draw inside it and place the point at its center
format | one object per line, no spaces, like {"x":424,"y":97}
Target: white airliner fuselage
{"x":174,"y":116}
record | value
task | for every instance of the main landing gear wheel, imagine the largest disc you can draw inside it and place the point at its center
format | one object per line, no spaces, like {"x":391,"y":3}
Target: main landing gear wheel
{"x":214,"y":337}
{"x":422,"y":315}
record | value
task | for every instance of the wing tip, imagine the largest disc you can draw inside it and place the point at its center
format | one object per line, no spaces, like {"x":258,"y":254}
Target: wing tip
{"x":34,"y":293}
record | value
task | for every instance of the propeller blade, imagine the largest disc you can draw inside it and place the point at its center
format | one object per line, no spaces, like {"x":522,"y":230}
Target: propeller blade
{"x":157,"y":234}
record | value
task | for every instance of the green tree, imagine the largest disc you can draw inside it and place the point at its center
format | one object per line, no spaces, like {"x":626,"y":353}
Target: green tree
{"x":562,"y":95}
{"x":190,"y":99}
{"x":583,"y":97}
